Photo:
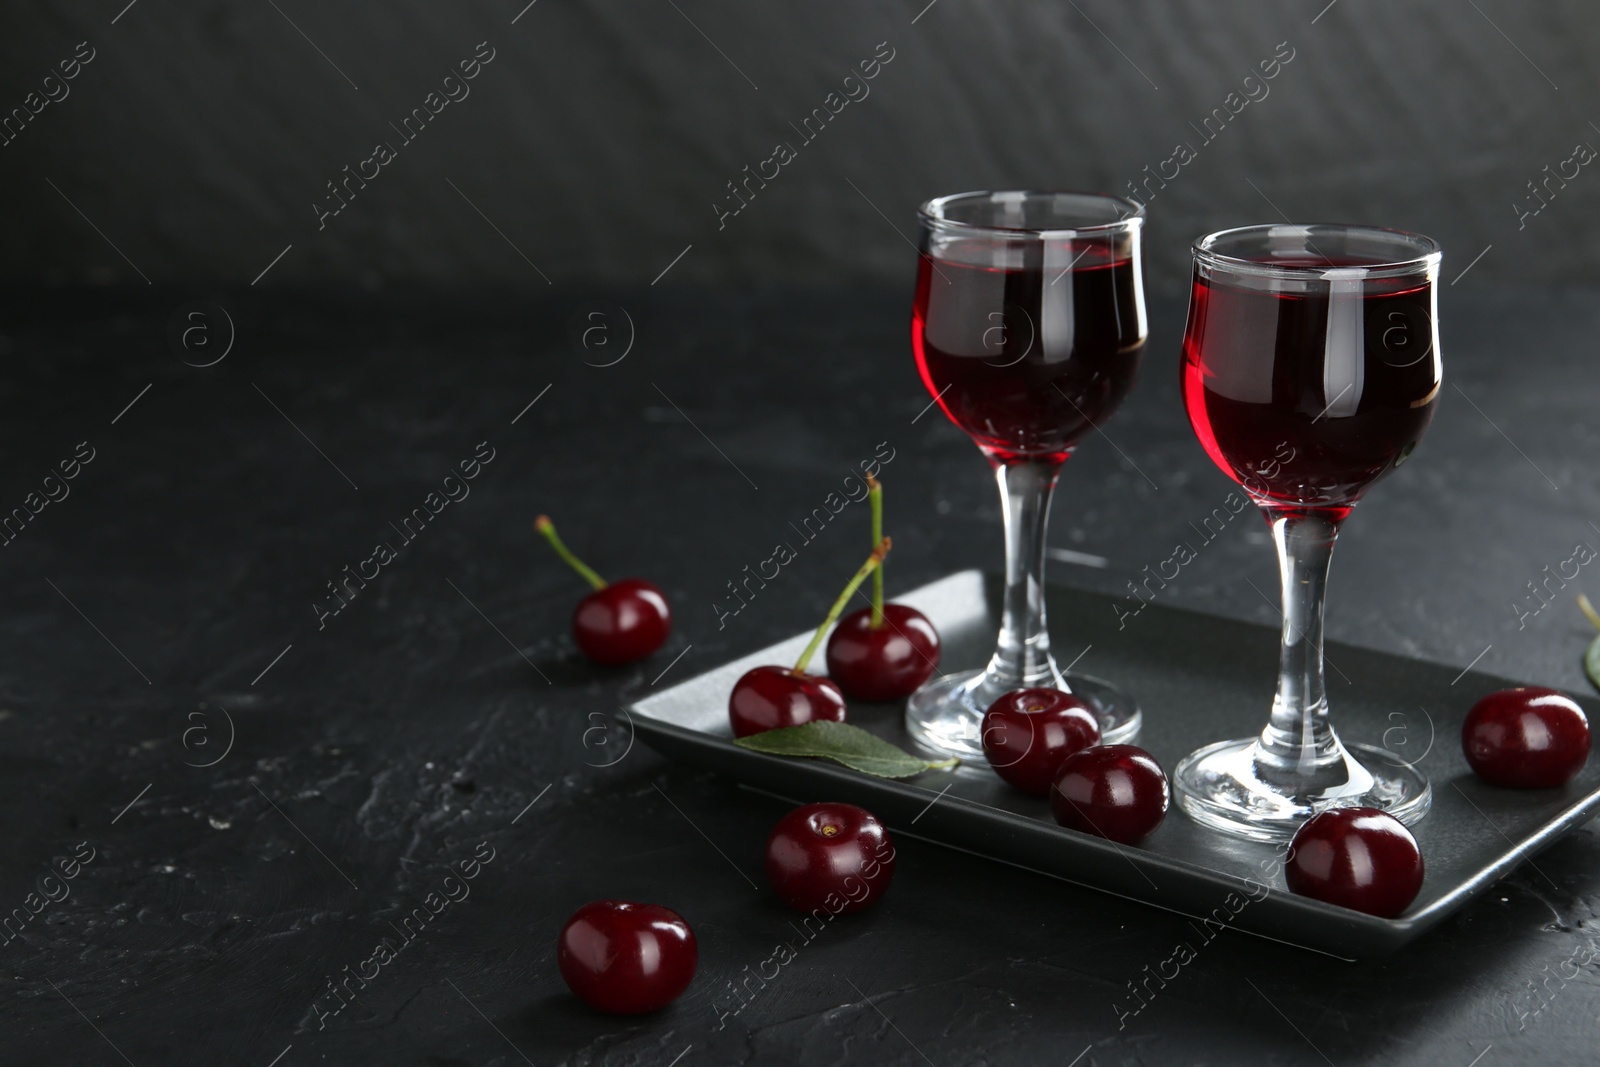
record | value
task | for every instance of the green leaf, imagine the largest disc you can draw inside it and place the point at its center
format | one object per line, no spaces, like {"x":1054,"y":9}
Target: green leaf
{"x":842,"y":743}
{"x":1591,"y":662}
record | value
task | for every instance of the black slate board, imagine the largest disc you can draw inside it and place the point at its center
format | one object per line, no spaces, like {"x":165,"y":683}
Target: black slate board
{"x":1200,"y":679}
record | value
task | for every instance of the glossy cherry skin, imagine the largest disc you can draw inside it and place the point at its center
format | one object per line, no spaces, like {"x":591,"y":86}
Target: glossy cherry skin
{"x":624,"y":622}
{"x":627,"y":958}
{"x":1028,"y":732}
{"x":1117,"y":792}
{"x":1529,"y":738}
{"x":833,"y":857}
{"x":1358,"y":858}
{"x":887,"y":663}
{"x":769,"y":697}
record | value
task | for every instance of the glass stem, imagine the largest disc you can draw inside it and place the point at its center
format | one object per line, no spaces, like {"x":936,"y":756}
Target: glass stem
{"x":1299,"y":744}
{"x":1022,"y":656}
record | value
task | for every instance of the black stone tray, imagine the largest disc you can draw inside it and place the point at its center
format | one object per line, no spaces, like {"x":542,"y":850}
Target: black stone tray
{"x":1199,"y":679}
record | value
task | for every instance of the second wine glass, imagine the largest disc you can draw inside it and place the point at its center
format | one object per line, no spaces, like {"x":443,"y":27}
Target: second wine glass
{"x":1310,"y":370}
{"x":1028,"y":329}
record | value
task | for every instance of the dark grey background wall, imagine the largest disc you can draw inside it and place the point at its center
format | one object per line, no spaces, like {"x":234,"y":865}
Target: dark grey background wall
{"x":601,"y":134}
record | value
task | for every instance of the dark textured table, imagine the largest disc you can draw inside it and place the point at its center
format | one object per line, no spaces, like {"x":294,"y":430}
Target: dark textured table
{"x":251,"y":789}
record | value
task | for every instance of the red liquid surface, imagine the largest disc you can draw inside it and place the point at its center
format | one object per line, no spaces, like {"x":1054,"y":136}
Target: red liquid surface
{"x":1028,"y":360}
{"x":1306,"y":399}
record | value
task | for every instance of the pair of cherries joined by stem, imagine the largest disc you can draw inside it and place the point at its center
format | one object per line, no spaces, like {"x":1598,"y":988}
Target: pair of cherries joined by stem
{"x":770,"y":697}
{"x":880,"y":653}
{"x":620,"y":622}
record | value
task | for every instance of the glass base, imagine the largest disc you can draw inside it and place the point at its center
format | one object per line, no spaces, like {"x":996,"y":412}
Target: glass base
{"x":946,"y":715}
{"x":1223,"y":787}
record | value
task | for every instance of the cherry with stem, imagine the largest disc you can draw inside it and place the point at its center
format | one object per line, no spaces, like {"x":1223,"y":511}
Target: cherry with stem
{"x":887,"y":651}
{"x":770,"y":697}
{"x":875,"y":506}
{"x":620,"y":622}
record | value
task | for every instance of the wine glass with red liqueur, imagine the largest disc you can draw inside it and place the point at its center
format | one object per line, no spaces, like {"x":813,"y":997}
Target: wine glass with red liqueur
{"x":1311,"y":369}
{"x":1028,"y":328}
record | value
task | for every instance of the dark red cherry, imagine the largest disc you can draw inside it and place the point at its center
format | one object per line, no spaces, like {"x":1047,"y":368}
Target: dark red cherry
{"x":620,"y":621}
{"x":624,"y":622}
{"x":834,"y":857}
{"x":886,"y":663}
{"x":626,"y":958}
{"x":1528,"y":738}
{"x":889,"y":660}
{"x":1358,"y":858}
{"x":1028,"y":732}
{"x":1114,"y":791}
{"x":769,"y":697}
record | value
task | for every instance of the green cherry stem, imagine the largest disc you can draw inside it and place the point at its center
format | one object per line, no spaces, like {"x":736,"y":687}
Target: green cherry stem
{"x":838,"y":605}
{"x":544,"y":526}
{"x":875,"y":499}
{"x":1588,"y":609}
